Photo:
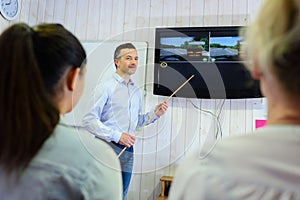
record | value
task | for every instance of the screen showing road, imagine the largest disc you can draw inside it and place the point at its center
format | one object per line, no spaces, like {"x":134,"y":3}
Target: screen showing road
{"x":184,"y":48}
{"x":225,"y":48}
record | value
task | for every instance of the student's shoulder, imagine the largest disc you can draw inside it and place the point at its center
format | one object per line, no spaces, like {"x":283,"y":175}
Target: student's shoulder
{"x":73,"y":146}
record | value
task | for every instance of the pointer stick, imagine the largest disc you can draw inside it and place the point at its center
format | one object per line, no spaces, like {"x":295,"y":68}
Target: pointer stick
{"x":179,"y":88}
{"x":150,"y":118}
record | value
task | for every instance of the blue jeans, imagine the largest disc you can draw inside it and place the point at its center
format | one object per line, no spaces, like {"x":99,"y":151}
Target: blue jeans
{"x":126,"y":161}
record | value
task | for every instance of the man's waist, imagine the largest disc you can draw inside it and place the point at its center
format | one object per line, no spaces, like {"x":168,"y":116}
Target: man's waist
{"x":130,"y":149}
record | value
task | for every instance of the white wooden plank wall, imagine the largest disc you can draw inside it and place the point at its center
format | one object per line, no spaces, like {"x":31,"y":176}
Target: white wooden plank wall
{"x":161,"y":146}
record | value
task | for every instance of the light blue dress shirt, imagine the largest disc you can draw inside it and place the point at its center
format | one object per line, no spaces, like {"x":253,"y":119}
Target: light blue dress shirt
{"x":116,"y":107}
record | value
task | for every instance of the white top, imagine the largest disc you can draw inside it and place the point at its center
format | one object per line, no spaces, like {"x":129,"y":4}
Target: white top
{"x":71,"y":165}
{"x":263,"y":165}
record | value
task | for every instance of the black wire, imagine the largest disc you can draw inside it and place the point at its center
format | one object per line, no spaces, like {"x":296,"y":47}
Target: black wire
{"x":218,"y":119}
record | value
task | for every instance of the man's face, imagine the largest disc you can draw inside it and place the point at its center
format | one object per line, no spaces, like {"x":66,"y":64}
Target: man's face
{"x":127,"y":62}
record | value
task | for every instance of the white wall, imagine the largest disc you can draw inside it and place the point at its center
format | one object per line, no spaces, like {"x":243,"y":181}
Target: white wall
{"x":161,"y":146}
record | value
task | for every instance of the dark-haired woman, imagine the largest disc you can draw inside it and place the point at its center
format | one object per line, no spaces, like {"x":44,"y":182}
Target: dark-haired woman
{"x":42,"y":77}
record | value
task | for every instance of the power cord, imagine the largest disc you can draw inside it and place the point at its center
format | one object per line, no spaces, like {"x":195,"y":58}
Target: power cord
{"x":219,"y":127}
{"x":216,"y":117}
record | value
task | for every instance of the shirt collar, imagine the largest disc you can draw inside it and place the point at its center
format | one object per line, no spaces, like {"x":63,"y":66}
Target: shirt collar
{"x":121,"y":80}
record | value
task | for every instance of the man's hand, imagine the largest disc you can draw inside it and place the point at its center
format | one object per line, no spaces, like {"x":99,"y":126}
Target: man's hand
{"x":161,"y":109}
{"x":127,"y":140}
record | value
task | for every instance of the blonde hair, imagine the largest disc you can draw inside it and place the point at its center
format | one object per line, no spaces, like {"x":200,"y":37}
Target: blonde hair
{"x":273,"y":40}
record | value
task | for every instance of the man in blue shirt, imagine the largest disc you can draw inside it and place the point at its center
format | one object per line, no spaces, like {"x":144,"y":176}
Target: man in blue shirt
{"x":117,"y":112}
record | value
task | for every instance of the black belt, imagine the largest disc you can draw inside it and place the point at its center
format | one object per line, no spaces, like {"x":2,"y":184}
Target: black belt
{"x":130,"y":149}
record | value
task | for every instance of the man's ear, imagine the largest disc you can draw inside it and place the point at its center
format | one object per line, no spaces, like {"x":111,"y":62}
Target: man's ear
{"x":116,"y":61}
{"x":72,"y":77}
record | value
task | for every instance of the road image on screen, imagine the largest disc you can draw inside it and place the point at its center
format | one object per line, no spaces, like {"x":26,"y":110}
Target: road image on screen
{"x":184,"y":48}
{"x":225,"y":48}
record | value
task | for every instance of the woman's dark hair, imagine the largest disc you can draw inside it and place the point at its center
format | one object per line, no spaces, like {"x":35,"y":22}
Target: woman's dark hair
{"x":56,"y":49}
{"x":33,"y":60}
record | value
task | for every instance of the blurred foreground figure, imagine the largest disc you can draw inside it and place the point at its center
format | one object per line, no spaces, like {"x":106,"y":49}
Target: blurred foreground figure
{"x":265,"y":164}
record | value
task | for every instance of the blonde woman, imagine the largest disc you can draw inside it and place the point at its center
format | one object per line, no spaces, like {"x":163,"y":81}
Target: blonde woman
{"x":265,"y":164}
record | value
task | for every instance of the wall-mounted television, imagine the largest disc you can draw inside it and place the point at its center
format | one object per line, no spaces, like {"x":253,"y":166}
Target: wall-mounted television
{"x":211,"y":54}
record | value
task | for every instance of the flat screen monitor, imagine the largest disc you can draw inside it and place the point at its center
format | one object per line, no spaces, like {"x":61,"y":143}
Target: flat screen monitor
{"x":211,"y":54}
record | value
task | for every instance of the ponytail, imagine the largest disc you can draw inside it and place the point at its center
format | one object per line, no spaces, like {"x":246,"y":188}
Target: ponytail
{"x":27,"y":114}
